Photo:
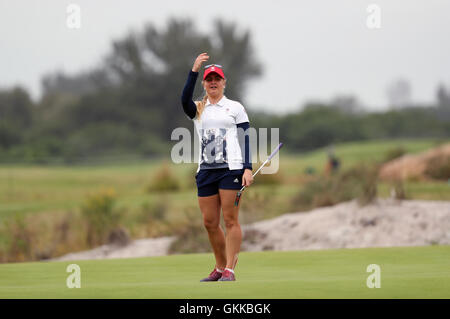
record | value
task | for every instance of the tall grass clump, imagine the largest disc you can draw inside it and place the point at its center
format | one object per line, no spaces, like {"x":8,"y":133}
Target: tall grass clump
{"x":16,"y":240}
{"x":192,"y":236}
{"x":359,"y":182}
{"x":438,"y":168}
{"x":164,"y":181}
{"x":152,"y":218}
{"x":101,"y":218}
{"x":255,"y":205}
{"x":397,"y":190}
{"x":30,"y":237}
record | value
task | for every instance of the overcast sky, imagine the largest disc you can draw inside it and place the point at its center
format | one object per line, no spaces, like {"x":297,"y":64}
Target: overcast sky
{"x":310,"y":50}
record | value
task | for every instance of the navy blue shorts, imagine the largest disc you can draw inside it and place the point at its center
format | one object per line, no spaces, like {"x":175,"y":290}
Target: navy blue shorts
{"x":210,"y":180}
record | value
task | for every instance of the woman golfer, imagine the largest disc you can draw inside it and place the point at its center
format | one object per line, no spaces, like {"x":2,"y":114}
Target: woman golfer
{"x":224,"y":162}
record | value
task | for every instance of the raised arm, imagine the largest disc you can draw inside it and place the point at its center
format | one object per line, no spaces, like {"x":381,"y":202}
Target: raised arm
{"x":189,"y":106}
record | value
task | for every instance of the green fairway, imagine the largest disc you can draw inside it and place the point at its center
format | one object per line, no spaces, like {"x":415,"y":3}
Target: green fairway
{"x":412,"y":272}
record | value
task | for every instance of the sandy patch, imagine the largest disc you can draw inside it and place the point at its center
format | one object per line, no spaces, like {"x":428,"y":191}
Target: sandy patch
{"x":137,"y":248}
{"x":384,"y":223}
{"x":414,"y":165}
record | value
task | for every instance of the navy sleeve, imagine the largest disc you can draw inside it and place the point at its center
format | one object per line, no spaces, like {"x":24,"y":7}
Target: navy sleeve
{"x":189,"y":106}
{"x":246,"y":149}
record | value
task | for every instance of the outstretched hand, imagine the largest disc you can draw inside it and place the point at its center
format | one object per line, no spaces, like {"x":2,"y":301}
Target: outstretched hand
{"x":199,"y":61}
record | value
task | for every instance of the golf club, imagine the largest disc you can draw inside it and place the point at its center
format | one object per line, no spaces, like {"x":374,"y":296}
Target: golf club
{"x":238,"y":195}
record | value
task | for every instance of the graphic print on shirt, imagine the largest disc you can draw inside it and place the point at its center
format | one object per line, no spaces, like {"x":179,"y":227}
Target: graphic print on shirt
{"x":214,"y":145}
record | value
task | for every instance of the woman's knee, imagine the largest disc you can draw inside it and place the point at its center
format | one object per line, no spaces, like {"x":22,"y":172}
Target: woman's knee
{"x":230,"y":222}
{"x":211,"y":224}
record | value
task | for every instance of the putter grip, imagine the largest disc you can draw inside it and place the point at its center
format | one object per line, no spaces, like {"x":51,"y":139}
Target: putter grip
{"x":275,"y":151}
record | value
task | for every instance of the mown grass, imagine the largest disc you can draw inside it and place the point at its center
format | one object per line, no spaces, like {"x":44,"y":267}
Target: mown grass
{"x":406,"y":272}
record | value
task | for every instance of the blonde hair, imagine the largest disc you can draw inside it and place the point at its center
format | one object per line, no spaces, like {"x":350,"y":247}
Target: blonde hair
{"x":201,"y":105}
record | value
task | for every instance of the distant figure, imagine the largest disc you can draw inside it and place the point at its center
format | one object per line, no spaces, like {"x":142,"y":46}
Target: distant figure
{"x":333,"y":162}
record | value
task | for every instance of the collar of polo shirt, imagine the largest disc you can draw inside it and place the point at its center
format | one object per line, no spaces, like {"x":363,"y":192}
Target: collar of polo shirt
{"x":220,"y":103}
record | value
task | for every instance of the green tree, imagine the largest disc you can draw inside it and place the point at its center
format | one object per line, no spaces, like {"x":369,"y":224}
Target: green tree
{"x":152,"y":66}
{"x":16,"y":116}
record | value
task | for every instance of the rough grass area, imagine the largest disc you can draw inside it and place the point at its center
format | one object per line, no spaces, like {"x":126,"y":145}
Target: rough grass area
{"x":55,"y":189}
{"x":406,"y":272}
{"x":41,"y":207}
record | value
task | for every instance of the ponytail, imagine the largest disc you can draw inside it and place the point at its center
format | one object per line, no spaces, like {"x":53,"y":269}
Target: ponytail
{"x":201,"y":105}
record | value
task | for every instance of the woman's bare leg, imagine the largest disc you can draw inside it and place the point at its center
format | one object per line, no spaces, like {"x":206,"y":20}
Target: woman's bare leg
{"x":233,"y":238}
{"x":210,"y":208}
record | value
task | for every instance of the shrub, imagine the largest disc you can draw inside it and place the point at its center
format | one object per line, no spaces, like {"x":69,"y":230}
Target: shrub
{"x":119,"y":236}
{"x":100,"y":216}
{"x":254,"y":205}
{"x":152,"y":218}
{"x":155,"y":211}
{"x":192,"y":236}
{"x":439,"y":167}
{"x":318,"y":193}
{"x":17,"y":240}
{"x":164,"y":181}
{"x":359,"y":182}
{"x":368,"y":178}
{"x":39,"y":236}
{"x":398,"y":189}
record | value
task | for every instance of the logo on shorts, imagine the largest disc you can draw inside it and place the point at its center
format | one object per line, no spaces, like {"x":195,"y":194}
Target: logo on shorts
{"x":236,"y":180}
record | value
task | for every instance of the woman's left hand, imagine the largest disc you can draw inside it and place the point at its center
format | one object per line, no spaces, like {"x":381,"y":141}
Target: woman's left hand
{"x":247,"y":178}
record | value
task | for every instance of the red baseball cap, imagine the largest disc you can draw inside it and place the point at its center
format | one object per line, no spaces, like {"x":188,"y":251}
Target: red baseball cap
{"x":213,"y":68}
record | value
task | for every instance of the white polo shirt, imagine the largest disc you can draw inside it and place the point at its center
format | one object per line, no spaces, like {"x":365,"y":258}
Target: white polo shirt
{"x":217,"y":132}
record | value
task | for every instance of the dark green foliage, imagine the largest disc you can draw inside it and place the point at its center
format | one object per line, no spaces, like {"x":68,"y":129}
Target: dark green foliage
{"x":16,"y":116}
{"x":129,"y":103}
{"x":320,"y":125}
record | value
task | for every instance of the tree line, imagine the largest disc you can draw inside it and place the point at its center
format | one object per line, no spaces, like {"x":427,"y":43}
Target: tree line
{"x":130,"y":102}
